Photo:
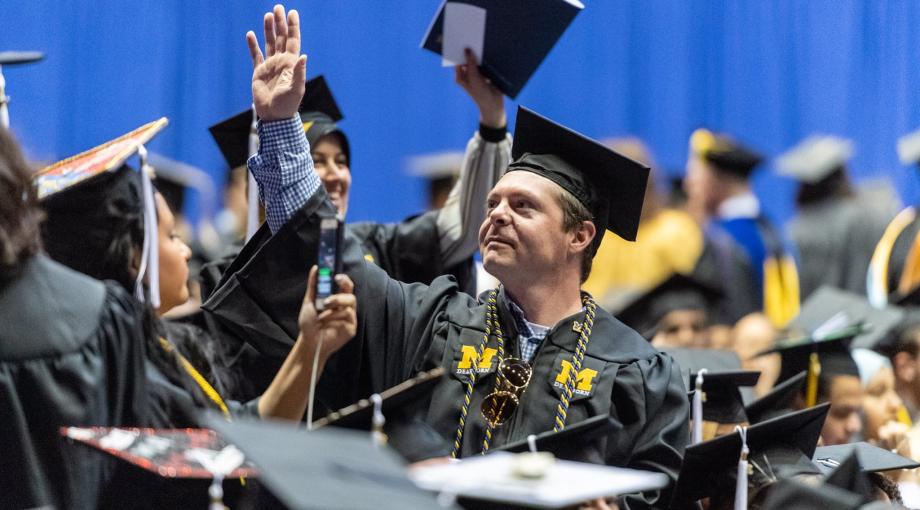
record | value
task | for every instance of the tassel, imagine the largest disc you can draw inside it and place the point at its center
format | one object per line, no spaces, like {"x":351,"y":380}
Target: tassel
{"x":532,"y":443}
{"x":252,"y":211}
{"x":698,"y":408}
{"x":150,"y":260}
{"x":811,"y":385}
{"x":741,"y":487}
{"x":378,"y":421}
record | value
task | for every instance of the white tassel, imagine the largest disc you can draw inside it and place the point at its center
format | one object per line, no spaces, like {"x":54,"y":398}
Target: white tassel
{"x":698,"y":408}
{"x":252,"y":211}
{"x":532,"y":443}
{"x":4,"y":111}
{"x":150,"y":253}
{"x":741,"y":487}
{"x":379,"y":420}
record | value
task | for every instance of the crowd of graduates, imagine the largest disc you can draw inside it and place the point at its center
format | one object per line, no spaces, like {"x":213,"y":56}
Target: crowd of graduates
{"x":610,"y":318}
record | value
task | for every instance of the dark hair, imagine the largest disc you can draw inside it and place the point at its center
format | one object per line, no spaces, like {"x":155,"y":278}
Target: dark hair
{"x":836,"y":184}
{"x":887,"y":486}
{"x":20,"y":217}
{"x":573,"y":214}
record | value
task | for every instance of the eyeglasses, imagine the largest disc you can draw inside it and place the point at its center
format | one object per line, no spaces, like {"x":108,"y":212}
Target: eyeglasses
{"x":513,"y":377}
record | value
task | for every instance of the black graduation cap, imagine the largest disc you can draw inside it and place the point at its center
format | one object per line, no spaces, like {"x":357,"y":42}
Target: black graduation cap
{"x":575,"y":442}
{"x":794,"y":495}
{"x":400,"y":405}
{"x":871,"y":458}
{"x":678,"y":292}
{"x":518,"y":36}
{"x":824,"y":356}
{"x":8,"y":58}
{"x":723,"y":402}
{"x":779,"y":447}
{"x":724,"y":152}
{"x":318,"y":111}
{"x":830,"y":303}
{"x":778,"y":401}
{"x":155,"y":468}
{"x":323,"y":469}
{"x":232,"y":137}
{"x":608,"y":184}
{"x":693,"y":360}
{"x":849,"y":476}
{"x":91,"y":198}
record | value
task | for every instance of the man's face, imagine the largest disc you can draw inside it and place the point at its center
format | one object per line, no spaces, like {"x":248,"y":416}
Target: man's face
{"x":522,"y":233}
{"x":702,"y":186}
{"x":843,"y":418}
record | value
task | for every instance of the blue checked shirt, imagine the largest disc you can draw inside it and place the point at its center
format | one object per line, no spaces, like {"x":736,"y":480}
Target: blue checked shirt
{"x":530,"y":335}
{"x":283,"y":169}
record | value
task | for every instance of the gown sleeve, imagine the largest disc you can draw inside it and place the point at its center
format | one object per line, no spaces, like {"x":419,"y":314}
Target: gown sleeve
{"x":650,"y":399}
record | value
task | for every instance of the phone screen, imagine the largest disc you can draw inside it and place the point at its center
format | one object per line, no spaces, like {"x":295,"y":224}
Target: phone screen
{"x":327,"y":261}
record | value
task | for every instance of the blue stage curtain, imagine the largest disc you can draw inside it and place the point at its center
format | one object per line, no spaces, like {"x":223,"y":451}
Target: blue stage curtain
{"x":768,"y":72}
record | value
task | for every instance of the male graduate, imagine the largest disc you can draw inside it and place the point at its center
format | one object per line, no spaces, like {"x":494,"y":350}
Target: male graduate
{"x":719,"y":170}
{"x":561,"y":358}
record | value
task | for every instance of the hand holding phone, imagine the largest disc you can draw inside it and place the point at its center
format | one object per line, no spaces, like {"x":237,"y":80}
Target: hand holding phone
{"x":328,"y":260}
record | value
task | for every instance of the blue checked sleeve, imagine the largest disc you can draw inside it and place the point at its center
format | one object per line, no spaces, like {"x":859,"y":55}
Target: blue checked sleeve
{"x":283,"y":169}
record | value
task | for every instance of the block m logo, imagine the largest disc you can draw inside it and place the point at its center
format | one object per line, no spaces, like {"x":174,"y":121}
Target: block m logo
{"x":470,"y":359}
{"x":584,"y":379}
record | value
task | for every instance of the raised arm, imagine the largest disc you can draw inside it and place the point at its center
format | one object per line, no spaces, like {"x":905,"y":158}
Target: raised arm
{"x":282,"y":167}
{"x":487,"y":156}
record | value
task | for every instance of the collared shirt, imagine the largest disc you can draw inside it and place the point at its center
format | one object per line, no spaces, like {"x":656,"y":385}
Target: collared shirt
{"x":744,"y":205}
{"x":283,"y":169}
{"x":530,"y":335}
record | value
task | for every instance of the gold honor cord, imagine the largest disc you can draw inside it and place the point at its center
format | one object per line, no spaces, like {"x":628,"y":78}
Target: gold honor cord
{"x":877,"y":279}
{"x":202,"y":383}
{"x":492,"y":325}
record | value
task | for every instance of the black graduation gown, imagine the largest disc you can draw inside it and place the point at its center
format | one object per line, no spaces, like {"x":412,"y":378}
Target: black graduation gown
{"x":408,"y":251}
{"x":71,"y":353}
{"x":404,"y":328}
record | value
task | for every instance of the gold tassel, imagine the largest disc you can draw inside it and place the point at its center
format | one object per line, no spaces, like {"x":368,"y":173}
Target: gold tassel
{"x":814,"y":371}
{"x":780,"y":290}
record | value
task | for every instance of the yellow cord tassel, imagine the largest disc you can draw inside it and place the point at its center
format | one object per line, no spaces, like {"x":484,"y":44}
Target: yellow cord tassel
{"x":811,"y":385}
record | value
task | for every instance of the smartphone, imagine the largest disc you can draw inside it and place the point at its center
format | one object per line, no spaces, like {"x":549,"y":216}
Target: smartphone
{"x":329,"y":260}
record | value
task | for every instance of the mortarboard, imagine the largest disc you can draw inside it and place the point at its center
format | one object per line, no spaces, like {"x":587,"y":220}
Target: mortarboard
{"x":778,"y":401}
{"x":158,"y":467}
{"x":871,"y":458}
{"x":693,"y":360}
{"x":173,"y":178}
{"x":506,"y":480}
{"x":909,"y":148}
{"x":319,"y":113}
{"x":793,"y":495}
{"x":778,"y":448}
{"x":573,"y":442}
{"x":438,"y":165}
{"x":678,"y":292}
{"x":8,"y":58}
{"x":397,"y":414}
{"x":722,"y":402}
{"x":724,"y":153}
{"x":850,"y":476}
{"x":815,"y":158}
{"x":323,"y":469}
{"x":518,"y":34}
{"x":822,"y":355}
{"x":92,"y":198}
{"x":608,"y":184}
{"x":832,"y":304}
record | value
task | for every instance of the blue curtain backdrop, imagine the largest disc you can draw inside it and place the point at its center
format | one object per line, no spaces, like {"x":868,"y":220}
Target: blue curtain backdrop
{"x":769,"y":72}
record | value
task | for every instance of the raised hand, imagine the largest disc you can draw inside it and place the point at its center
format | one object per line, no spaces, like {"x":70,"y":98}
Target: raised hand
{"x":279,"y":77}
{"x":488,"y":98}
